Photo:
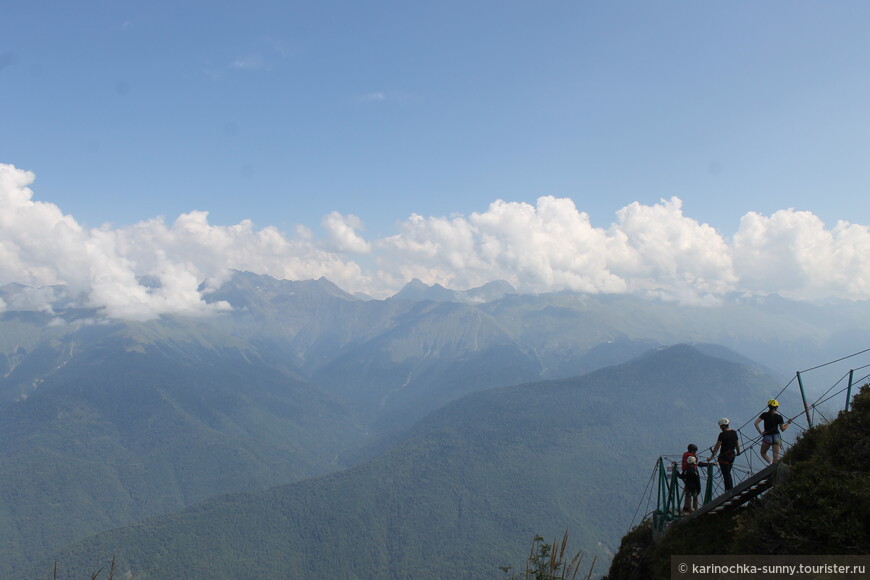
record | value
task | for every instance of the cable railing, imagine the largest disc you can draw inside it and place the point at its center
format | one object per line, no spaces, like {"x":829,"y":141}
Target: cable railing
{"x":749,"y":462}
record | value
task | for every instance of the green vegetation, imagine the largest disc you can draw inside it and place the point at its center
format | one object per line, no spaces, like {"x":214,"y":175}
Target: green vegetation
{"x":108,"y":423}
{"x":483,"y":472}
{"x":550,"y":562}
{"x":107,"y":573}
{"x":632,"y":560}
{"x":821,"y":507}
{"x":116,"y":435}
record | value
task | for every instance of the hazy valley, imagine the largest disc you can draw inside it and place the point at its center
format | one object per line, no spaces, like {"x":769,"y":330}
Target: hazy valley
{"x":433,"y":431}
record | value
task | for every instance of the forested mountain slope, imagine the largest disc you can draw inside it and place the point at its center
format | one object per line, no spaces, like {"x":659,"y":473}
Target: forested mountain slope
{"x":118,"y":427}
{"x":822,"y":507}
{"x":105,"y":422}
{"x":464,"y":493}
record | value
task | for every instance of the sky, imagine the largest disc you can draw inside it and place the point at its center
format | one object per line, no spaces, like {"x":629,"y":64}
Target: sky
{"x":679,"y":150}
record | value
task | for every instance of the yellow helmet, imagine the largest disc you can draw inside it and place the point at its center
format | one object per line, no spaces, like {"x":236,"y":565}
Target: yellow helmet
{"x":773,"y":403}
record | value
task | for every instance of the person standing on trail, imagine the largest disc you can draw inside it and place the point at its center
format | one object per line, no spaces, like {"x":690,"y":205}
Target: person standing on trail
{"x":691,"y":450}
{"x":691,"y":478}
{"x":728,"y":445}
{"x":774,"y":424}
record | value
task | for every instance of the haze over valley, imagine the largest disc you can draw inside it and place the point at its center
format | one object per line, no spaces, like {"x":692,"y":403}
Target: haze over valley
{"x":494,"y":412}
{"x":385,"y":290}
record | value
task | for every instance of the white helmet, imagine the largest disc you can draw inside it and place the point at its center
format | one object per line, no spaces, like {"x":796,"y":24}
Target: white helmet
{"x":692,"y":460}
{"x":723,"y":421}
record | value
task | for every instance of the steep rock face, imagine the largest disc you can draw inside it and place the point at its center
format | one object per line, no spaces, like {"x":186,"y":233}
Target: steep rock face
{"x":820,"y":508}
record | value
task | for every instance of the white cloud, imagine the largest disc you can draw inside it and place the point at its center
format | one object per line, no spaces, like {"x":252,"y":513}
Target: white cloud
{"x":663,"y":250}
{"x":650,"y":250}
{"x":792,"y":253}
{"x":342,"y":233}
{"x":553,"y":246}
{"x":35,"y":299}
{"x":40,"y":246}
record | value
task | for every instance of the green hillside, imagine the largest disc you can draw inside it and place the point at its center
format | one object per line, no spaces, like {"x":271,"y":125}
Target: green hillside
{"x":822,"y":507}
{"x":126,"y":426}
{"x":463,"y":494}
{"x":105,"y":423}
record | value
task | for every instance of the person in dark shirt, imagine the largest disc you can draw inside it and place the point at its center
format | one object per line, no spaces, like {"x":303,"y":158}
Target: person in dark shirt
{"x":774,"y":424}
{"x":728,"y":445}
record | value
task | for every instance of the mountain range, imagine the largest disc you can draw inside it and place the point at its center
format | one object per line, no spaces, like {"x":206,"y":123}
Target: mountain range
{"x":464,"y":490}
{"x":106,"y":423}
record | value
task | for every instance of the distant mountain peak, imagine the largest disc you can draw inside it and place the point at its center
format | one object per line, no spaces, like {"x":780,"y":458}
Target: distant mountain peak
{"x":488,"y":292}
{"x":418,"y":290}
{"x":245,"y":283}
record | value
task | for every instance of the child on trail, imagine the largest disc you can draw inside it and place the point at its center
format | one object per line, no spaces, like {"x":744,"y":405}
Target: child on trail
{"x":691,"y":478}
{"x":693,"y":486}
{"x":774,"y":424}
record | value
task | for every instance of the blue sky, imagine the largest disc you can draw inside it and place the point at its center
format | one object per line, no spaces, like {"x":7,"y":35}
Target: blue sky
{"x":283,"y":112}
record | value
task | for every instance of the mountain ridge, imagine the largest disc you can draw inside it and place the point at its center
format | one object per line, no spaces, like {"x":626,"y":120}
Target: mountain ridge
{"x":369,"y":369}
{"x":488,"y":470}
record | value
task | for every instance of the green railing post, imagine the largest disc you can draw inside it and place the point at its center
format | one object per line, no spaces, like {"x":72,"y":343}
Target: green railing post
{"x":663,"y":486}
{"x":849,"y":390}
{"x":804,"y":398}
{"x":674,"y":498}
{"x":669,"y":496}
{"x":708,"y":493}
{"x":661,"y":506}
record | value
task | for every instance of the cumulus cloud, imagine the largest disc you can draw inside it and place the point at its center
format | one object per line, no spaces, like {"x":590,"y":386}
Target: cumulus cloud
{"x":157,"y":267}
{"x":553,"y":246}
{"x":40,"y":246}
{"x":29,"y":298}
{"x":792,"y":253}
{"x":342,"y":233}
{"x":661,"y":251}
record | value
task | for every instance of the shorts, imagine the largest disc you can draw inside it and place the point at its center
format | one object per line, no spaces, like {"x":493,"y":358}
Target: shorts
{"x":774,"y":439}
